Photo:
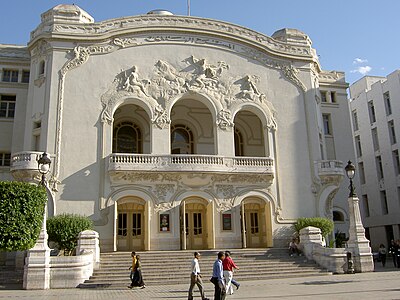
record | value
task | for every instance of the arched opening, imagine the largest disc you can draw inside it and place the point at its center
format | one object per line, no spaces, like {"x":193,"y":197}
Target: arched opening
{"x":192,"y":128}
{"x":130,"y":225}
{"x":256,"y":225}
{"x":127,"y":138}
{"x":194,"y":223}
{"x":181,"y":139}
{"x":131,"y":130}
{"x":249,"y":135}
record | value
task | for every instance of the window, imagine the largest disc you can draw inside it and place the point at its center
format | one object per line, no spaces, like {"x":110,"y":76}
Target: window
{"x":392,"y":132}
{"x":136,"y":224}
{"x":355,"y":120}
{"x":181,"y":140}
{"x":122,"y":224}
{"x":388,"y":106}
{"x":5,"y":159}
{"x":324,"y":96}
{"x":254,"y":222}
{"x":385,"y":209}
{"x":371,"y":110}
{"x":238,"y":143}
{"x":365,"y":205}
{"x":338,"y":216}
{"x":379,"y":168}
{"x":41,"y":68}
{"x":333,"y":97}
{"x":127,"y":138}
{"x":10,"y":75}
{"x":375,"y":140}
{"x":396,"y":162}
{"x":7,"y":106}
{"x":362,"y":172}
{"x":197,"y":227}
{"x":358,"y":146}
{"x":327,"y":124}
{"x":25,"y":77}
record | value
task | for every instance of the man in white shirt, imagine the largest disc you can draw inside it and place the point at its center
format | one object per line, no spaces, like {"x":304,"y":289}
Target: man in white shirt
{"x":195,"y":278}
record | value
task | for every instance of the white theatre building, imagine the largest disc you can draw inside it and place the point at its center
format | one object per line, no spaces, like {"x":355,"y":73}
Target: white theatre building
{"x":176,"y":132}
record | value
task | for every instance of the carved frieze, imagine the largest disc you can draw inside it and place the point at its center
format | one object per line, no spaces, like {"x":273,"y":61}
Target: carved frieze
{"x":224,"y":119}
{"x":161,"y":191}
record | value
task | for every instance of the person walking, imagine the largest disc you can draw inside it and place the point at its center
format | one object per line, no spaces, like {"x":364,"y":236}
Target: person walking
{"x":132,"y":268}
{"x":195,"y":278}
{"x":228,"y":266}
{"x":382,"y":254}
{"x":137,"y":277}
{"x":218,"y":278}
{"x":392,"y":251}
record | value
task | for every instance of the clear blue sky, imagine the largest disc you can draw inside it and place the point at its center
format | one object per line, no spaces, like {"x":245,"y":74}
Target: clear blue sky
{"x":359,"y":37}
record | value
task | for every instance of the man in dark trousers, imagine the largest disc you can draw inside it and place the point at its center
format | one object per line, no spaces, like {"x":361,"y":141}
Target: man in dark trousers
{"x":218,"y":278}
{"x":195,"y":278}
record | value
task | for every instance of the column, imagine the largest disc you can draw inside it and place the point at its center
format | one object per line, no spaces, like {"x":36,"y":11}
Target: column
{"x":184,"y":225}
{"x":243,"y":226}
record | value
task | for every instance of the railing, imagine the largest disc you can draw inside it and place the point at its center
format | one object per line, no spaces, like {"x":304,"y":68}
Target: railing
{"x":329,"y":167}
{"x":26,"y":160}
{"x":201,"y":163}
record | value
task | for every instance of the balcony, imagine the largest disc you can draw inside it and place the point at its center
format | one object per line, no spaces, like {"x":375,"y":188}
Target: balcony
{"x":24,"y":165}
{"x":330,"y":171}
{"x":191,"y":163}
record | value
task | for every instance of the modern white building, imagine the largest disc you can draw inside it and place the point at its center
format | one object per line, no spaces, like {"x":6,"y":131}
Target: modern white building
{"x":176,"y":132}
{"x":375,"y":104}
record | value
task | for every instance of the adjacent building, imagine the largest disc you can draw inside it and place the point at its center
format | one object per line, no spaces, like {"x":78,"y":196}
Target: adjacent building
{"x":176,"y":132}
{"x":375,"y":105}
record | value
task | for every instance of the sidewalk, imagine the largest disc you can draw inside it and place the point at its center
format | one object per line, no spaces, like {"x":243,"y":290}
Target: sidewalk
{"x":382,"y":284}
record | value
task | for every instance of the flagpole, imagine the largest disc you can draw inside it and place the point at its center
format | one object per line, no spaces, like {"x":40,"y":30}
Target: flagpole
{"x":188,"y":7}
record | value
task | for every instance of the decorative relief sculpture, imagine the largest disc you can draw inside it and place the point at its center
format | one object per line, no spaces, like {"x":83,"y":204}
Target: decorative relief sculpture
{"x":132,"y":83}
{"x":249,"y":89}
{"x":160,"y":117}
{"x":224,"y":119}
{"x":161,"y":191}
{"x":164,"y":206}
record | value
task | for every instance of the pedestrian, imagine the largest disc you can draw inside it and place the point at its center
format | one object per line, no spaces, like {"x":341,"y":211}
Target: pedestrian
{"x":228,"y":266}
{"x":195,"y":278}
{"x":382,"y":254}
{"x":132,"y":268}
{"x":137,"y":277}
{"x":218,"y":278}
{"x":392,"y":251}
{"x":397,"y":251}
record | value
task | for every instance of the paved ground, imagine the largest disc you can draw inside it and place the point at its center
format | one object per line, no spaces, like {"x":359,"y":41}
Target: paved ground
{"x":382,"y":284}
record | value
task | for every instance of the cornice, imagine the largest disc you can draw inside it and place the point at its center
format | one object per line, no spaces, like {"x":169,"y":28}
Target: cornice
{"x":142,"y":24}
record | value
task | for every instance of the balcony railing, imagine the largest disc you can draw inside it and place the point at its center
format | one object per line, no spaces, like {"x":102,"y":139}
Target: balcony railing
{"x":330,"y":168}
{"x":190,"y":163}
{"x":26,"y":160}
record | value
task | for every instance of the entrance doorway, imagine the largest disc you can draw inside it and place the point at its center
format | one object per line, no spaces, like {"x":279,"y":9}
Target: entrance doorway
{"x":130,"y":226}
{"x":256,"y":219}
{"x":193,"y":219}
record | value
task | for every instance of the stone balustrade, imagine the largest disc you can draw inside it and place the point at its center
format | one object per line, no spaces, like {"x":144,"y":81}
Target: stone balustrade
{"x":190,"y":163}
{"x":330,"y":168}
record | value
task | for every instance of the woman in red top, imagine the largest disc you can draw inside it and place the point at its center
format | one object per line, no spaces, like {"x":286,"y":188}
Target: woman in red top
{"x":228,"y":265}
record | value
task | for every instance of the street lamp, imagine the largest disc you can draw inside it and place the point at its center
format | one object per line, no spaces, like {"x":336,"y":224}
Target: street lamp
{"x":44,"y":163}
{"x":350,"y":172}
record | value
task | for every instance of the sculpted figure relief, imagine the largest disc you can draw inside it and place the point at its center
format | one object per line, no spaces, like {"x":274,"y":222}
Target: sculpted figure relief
{"x":133,"y":83}
{"x":249,"y":89}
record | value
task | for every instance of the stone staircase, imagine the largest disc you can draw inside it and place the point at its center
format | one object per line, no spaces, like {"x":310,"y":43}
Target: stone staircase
{"x":173,"y":267}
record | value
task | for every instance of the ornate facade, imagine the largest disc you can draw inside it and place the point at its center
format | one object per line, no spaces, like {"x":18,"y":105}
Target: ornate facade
{"x":176,"y":132}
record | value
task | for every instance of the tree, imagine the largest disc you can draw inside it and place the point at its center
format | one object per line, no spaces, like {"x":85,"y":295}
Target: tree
{"x":21,"y":214}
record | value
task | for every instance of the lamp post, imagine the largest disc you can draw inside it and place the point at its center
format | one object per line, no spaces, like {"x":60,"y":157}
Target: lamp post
{"x":359,"y":257}
{"x":44,"y":163}
{"x":350,"y":173}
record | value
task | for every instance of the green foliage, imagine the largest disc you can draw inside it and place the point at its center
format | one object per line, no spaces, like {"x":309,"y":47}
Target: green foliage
{"x":65,"y":228}
{"x":325,"y":225}
{"x":21,"y":214}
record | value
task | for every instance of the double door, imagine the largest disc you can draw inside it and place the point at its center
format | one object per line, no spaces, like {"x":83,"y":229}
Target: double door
{"x":195,"y":229}
{"x":130,"y":229}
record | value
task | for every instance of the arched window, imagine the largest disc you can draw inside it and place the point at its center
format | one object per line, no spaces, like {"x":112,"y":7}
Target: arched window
{"x":338,"y":216}
{"x":181,"y":140}
{"x":238,"y":143}
{"x":127,"y":138}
